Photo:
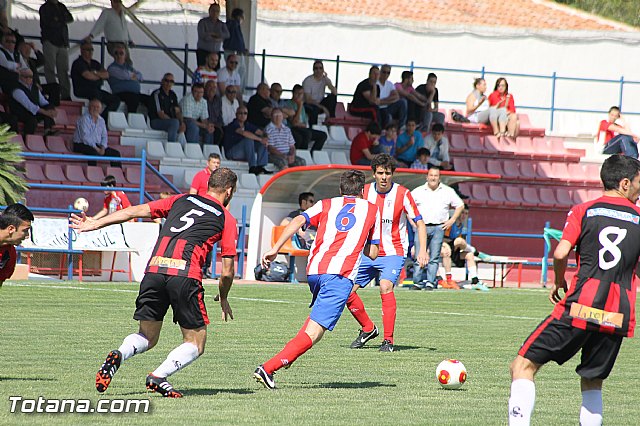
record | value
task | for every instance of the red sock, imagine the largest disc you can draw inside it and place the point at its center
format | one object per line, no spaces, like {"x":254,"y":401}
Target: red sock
{"x":292,"y":350}
{"x":388,"y":315}
{"x":356,"y":307}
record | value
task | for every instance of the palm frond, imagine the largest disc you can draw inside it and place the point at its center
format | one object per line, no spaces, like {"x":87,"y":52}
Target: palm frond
{"x":12,"y":183}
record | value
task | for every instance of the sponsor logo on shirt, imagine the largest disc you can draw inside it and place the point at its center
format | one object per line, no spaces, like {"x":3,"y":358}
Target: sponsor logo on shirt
{"x":596,"y":316}
{"x":167,"y":262}
{"x":614,"y":214}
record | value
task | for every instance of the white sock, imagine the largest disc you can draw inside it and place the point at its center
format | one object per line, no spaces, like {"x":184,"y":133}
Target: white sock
{"x":521,"y":402}
{"x":473,"y":272}
{"x":591,"y":410}
{"x":177,"y":359}
{"x":132,"y":345}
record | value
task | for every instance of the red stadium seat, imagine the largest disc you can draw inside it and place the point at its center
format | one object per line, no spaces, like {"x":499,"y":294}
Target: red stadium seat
{"x":458,"y":143}
{"x":479,"y":193}
{"x":511,"y":170}
{"x":548,"y":197}
{"x":496,"y":193}
{"x":117,"y":173}
{"x":592,"y":194}
{"x":592,"y":172}
{"x":54,"y":172}
{"x":75,"y":173}
{"x":564,"y":197}
{"x":35,"y":143}
{"x":527,"y":170}
{"x":580,"y":196}
{"x":560,"y":171}
{"x":95,"y":174}
{"x":34,"y":173}
{"x":57,"y":145}
{"x":462,"y":165}
{"x":477,"y":165}
{"x":514,"y":196}
{"x":531,"y":196}
{"x":495,"y":167}
{"x":544,"y":171}
{"x":18,"y":139}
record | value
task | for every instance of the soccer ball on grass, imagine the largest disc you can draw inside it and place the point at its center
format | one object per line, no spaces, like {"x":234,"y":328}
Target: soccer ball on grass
{"x":451,"y":374}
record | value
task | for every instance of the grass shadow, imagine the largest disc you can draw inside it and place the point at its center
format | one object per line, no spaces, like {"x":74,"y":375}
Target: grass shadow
{"x":27,"y":379}
{"x":199,"y":392}
{"x":351,"y":385}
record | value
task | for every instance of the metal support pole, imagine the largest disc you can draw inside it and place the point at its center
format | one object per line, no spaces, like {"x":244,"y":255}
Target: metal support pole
{"x":482,"y":72}
{"x":545,"y":258}
{"x":621,"y":89}
{"x":264,"y":62}
{"x":70,"y":256}
{"x":337,"y":71}
{"x":241,"y":238}
{"x":143,"y":167}
{"x":553,"y":98}
{"x":185,"y":70}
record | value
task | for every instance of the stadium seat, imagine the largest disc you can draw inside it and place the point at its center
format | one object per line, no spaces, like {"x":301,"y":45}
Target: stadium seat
{"x":117,"y":121}
{"x":497,"y":197}
{"x":211,"y":149}
{"x":337,"y":133}
{"x":95,"y":174}
{"x":305,"y":154}
{"x":457,"y":142}
{"x":548,"y":197}
{"x":352,"y":132}
{"x":155,"y":150}
{"x":479,"y":194}
{"x":53,"y":172}
{"x":137,"y":121}
{"x":560,"y":171}
{"x":580,"y":196}
{"x":511,"y":170}
{"x":288,"y":249}
{"x":483,"y":143}
{"x":57,"y":145}
{"x":478,"y":165}
{"x":340,"y":157}
{"x":592,"y":172}
{"x":495,"y":167}
{"x":249,"y":181}
{"x":75,"y":173}
{"x":544,"y":171}
{"x":321,"y":157}
{"x":34,"y":173}
{"x":527,"y":170}
{"x":577,"y":172}
{"x":592,"y":194}
{"x":18,"y":139}
{"x":263,"y":179}
{"x":62,"y":120}
{"x":514,"y":196}
{"x":531,"y":195}
{"x":462,"y":165}
{"x":564,"y":197}
{"x":117,"y":173}
{"x":188,"y":177}
{"x":475,"y":144}
{"x":35,"y":143}
{"x":194,"y":152}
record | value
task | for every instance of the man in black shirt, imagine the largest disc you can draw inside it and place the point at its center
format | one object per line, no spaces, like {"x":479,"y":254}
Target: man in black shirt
{"x":88,"y":75}
{"x":429,"y":113}
{"x":164,"y":111}
{"x":366,"y":99}
{"x":259,"y":107}
{"x":54,"y":17}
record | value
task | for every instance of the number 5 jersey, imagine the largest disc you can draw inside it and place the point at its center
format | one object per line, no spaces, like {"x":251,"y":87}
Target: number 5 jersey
{"x":602,"y":294}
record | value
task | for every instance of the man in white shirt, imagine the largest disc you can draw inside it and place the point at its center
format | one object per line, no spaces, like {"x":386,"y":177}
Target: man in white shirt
{"x":434,"y":199}
{"x":229,"y":105}
{"x":114,"y":25}
{"x":391,"y":103}
{"x":315,"y":101}
{"x":229,"y":76}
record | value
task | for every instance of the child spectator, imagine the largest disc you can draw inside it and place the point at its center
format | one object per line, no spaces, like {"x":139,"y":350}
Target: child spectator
{"x":438,"y":145}
{"x":113,"y":200}
{"x":388,"y":141}
{"x":422,"y":162}
{"x":408,"y":144}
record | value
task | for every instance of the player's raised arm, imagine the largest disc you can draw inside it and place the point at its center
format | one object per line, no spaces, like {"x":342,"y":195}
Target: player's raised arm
{"x":293,"y":226}
{"x":560,"y":260}
{"x":84,"y":224}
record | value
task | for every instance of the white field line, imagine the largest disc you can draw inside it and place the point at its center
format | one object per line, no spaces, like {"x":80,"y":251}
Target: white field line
{"x":251,"y":299}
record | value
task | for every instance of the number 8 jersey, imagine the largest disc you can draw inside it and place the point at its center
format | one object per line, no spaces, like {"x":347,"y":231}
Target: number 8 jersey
{"x":194,"y":223}
{"x":345,"y":225}
{"x":602,"y":294}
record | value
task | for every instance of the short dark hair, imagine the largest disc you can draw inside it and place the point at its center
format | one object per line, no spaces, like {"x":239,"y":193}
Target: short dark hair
{"x":437,"y":127}
{"x":352,"y":182}
{"x":614,"y":108}
{"x":406,"y":74}
{"x":374,"y":67}
{"x":296,"y":87}
{"x":109,"y":180}
{"x":616,"y":168}
{"x":213,"y":155}
{"x":423,"y":151}
{"x":391,"y":125}
{"x":237,"y":13}
{"x":432,"y":75}
{"x":304,"y":196}
{"x":385,"y":161}
{"x":197,"y":86}
{"x":222,"y":179}
{"x":14,"y":215}
{"x":373,"y":128}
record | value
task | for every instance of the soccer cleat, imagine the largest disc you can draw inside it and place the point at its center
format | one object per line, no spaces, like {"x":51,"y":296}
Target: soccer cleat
{"x":480,"y":286}
{"x":364,"y":338}
{"x":386,"y":346}
{"x":162,"y":386}
{"x":265,"y":378}
{"x":108,"y":370}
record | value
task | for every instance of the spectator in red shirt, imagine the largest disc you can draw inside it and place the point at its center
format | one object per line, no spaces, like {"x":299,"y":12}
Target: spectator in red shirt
{"x":365,"y":145}
{"x":502,"y":114}
{"x":200,"y":182}
{"x":113,"y":200}
{"x":615,"y":136}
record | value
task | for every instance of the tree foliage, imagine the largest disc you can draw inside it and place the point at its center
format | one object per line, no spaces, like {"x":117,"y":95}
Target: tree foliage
{"x":12,"y":183}
{"x":626,"y":11}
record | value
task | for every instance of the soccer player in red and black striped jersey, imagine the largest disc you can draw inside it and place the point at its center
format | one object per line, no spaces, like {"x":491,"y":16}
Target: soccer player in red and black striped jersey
{"x":598,"y":308}
{"x":15,"y":223}
{"x":174,"y":275}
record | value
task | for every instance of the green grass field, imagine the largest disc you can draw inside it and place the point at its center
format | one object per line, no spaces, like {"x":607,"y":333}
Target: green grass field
{"x":53,"y":338}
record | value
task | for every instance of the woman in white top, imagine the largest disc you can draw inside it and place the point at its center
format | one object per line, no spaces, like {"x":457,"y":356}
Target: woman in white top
{"x":477,"y":105}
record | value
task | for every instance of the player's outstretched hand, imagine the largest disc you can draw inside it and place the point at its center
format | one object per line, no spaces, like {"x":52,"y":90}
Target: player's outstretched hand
{"x":82,"y":223}
{"x":268,"y":257}
{"x":227,"y":313}
{"x":554,"y":294}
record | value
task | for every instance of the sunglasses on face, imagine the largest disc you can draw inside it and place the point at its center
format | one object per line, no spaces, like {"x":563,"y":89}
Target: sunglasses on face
{"x":169,"y":81}
{"x":119,"y":53}
{"x":233,"y":62}
{"x":231,"y":92}
{"x":241,"y":113}
{"x":87,"y":50}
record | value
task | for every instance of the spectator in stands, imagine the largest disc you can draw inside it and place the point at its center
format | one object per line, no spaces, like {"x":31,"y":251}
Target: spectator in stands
{"x":434,"y":199}
{"x":54,"y":17}
{"x":211,"y":33}
{"x":235,"y":43}
{"x":208,"y":71}
{"x":125,"y":80}
{"x":282,"y":149}
{"x":200,"y":181}
{"x":114,"y":200}
{"x":299,"y":123}
{"x":422,"y":159}
{"x":10,"y":63}
{"x":478,"y":105}
{"x":366,"y":99}
{"x":229,"y":105}
{"x":4,"y":19}
{"x":415,"y":101}
{"x":230,"y":76}
{"x":259,"y":106}
{"x":245,"y":142}
{"x":303,"y":238}
{"x":214,"y":107}
{"x":430,"y":113}
{"x":112,"y":21}
{"x":27,"y":52}
{"x":30,"y":106}
{"x":408,"y":143}
{"x":275,"y":97}
{"x":195,"y":115}
{"x":503,"y":110}
{"x":615,"y":136}
{"x":315,"y":101}
{"x":88,"y":76}
{"x":391,"y":104}
{"x":164,"y":111}
{"x":90,"y":137}
{"x":389,"y":139}
{"x":438,"y":145}
{"x":365,"y":145}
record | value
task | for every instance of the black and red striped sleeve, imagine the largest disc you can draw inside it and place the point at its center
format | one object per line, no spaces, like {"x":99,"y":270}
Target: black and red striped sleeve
{"x":573,"y":225}
{"x":160,"y":208}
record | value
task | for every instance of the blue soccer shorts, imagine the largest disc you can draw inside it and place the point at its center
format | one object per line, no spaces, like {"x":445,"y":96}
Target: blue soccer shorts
{"x":330,"y":294}
{"x":384,"y":267}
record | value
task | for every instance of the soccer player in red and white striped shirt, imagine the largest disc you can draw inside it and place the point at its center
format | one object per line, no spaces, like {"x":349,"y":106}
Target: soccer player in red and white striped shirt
{"x":598,"y":308}
{"x":395,"y":204}
{"x":348,"y":226}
